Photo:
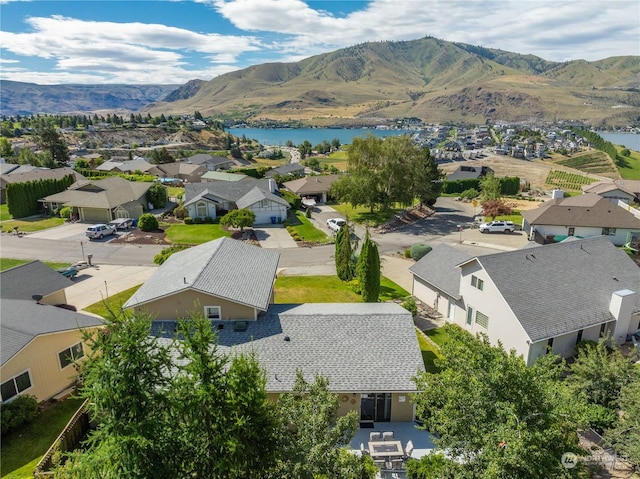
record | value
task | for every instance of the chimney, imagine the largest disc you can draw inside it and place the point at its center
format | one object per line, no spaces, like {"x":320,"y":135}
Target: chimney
{"x":272,"y":185}
{"x":621,"y":307}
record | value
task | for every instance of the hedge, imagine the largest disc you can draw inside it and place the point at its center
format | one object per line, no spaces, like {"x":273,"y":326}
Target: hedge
{"x":22,"y":198}
{"x":458,"y":186}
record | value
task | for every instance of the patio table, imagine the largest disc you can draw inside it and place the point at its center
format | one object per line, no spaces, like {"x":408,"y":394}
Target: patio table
{"x":387,"y":449}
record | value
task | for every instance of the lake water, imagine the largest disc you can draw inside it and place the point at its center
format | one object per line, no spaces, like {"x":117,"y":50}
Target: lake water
{"x":630,"y":140}
{"x":279,"y":136}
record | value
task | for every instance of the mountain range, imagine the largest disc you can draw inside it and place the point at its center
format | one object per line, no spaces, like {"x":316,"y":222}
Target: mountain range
{"x":431,"y":79}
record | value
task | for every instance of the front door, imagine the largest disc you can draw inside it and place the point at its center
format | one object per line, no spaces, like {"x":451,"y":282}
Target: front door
{"x":375,"y":407}
{"x":452,"y":309}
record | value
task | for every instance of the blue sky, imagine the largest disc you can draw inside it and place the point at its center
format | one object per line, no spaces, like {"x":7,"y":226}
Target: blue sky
{"x":152,"y":41}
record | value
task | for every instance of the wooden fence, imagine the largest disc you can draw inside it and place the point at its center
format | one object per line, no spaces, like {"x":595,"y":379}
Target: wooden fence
{"x":68,"y":440}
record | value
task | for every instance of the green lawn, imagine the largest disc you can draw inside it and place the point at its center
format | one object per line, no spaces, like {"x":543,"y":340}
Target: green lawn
{"x":629,"y":167}
{"x":194,"y":234}
{"x":363,"y":216}
{"x":306,"y":231}
{"x":328,"y":289}
{"x":21,"y":450}
{"x":112,"y":303}
{"x":29,"y":225}
{"x":438,"y":335}
{"x":515,"y":217}
{"x":4,"y":213}
{"x":429,"y":353}
{"x":175,"y":191}
{"x":6,"y":263}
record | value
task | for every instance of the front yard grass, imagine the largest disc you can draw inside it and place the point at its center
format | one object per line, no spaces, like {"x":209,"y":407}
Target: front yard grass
{"x":4,"y":213}
{"x":328,"y":289}
{"x":112,"y":303}
{"x":194,"y":234}
{"x":306,"y":231}
{"x":29,"y":225}
{"x":362,"y":214}
{"x":629,"y":166}
{"x":438,"y":336}
{"x":22,"y":449}
{"x":6,"y":263}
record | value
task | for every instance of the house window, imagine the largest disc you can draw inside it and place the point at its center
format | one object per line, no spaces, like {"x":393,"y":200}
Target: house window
{"x":477,"y":282}
{"x":482,"y":319}
{"x":264,"y":204}
{"x":579,"y":337}
{"x":609,"y":231}
{"x":201,"y":209}
{"x":70,"y":355}
{"x":469,"y":315}
{"x":572,"y":231}
{"x":212,"y":312}
{"x":603,"y":328}
{"x":550,"y":345}
{"x":15,"y":385}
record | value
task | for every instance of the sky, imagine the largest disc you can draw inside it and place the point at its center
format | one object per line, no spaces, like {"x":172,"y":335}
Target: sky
{"x":174,"y":41}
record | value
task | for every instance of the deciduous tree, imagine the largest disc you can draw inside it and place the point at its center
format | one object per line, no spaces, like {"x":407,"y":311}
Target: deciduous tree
{"x":241,"y":218}
{"x":493,"y":208}
{"x":490,"y":187}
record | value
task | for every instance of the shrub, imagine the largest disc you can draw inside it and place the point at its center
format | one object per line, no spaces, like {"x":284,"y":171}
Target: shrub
{"x":147,"y":222}
{"x":208,"y":220}
{"x":419,"y":250}
{"x":162,"y":256}
{"x":407,"y":253}
{"x":197,"y":220}
{"x":188,"y":220}
{"x":470,"y":194}
{"x":65,"y":212}
{"x":294,"y":200}
{"x":180,"y":212}
{"x":411,"y":306}
{"x":308,"y":213}
{"x":18,"y":412}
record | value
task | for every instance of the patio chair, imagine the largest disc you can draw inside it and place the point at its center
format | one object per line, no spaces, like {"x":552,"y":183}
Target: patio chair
{"x":363,"y":450}
{"x":387,"y":436}
{"x":408,"y":450}
{"x":374,"y":436}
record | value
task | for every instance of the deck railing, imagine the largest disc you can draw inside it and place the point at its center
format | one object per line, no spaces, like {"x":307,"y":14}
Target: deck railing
{"x":68,"y":440}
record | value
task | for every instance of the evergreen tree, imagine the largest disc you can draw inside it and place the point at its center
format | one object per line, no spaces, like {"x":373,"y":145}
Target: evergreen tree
{"x":344,"y":254}
{"x":368,"y":270}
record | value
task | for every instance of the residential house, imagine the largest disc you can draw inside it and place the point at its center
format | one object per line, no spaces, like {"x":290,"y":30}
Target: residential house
{"x":125,"y":165}
{"x":26,"y":173}
{"x":101,"y":201}
{"x":40,"y":341}
{"x":544,"y":297}
{"x":466,"y":172}
{"x":584,"y":216}
{"x":215,"y":198}
{"x":210,"y":162}
{"x":316,"y":187}
{"x":436,"y":280}
{"x":369,"y":352}
{"x":222,"y":176}
{"x":616,"y":190}
{"x":185,"y":172}
{"x":289,"y":169}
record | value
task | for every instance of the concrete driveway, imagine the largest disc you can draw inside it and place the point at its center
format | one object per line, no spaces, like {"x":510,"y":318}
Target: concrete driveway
{"x":97,"y":283}
{"x":274,"y":237}
{"x":71,"y":232}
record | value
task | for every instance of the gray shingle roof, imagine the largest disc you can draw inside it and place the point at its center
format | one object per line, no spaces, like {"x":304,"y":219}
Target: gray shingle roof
{"x":564,"y":287}
{"x":285,"y":169}
{"x":22,"y":282}
{"x":24,"y":320}
{"x":255,"y":195}
{"x":369,"y":347}
{"x":311,"y":185}
{"x":225,"y":268}
{"x":105,"y":193}
{"x":585,"y":210}
{"x":226,"y":190}
{"x":438,"y":268}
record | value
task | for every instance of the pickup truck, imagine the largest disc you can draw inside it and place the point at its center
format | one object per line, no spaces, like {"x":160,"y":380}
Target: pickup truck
{"x":497,"y":227}
{"x":100,"y":231}
{"x":69,"y":272}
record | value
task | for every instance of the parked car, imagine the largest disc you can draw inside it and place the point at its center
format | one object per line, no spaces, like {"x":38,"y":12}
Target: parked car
{"x":69,"y":272}
{"x":121,"y":223}
{"x":334,"y":224}
{"x":81,"y":265}
{"x":497,"y":227}
{"x":100,"y":231}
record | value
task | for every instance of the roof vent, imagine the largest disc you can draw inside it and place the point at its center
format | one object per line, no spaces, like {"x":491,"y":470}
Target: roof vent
{"x":37,"y":298}
{"x":184,"y":278}
{"x":287,"y":338}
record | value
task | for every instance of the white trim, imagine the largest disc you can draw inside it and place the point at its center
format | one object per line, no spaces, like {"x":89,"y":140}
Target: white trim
{"x":13,"y":378}
{"x":70,"y":348}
